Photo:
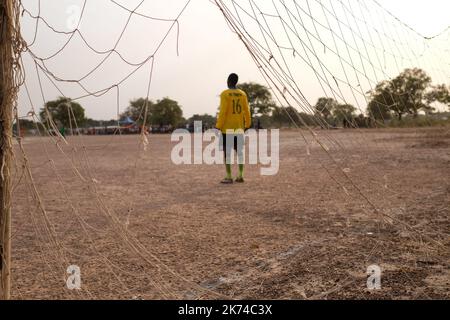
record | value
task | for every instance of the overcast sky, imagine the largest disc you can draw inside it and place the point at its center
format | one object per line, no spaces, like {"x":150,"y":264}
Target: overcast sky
{"x":208,"y":51}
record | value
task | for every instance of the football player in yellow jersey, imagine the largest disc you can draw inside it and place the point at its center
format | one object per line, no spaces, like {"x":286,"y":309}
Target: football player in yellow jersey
{"x":234,"y":118}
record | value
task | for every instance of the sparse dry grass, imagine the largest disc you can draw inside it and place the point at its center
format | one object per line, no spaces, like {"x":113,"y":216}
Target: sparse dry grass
{"x":292,"y":236}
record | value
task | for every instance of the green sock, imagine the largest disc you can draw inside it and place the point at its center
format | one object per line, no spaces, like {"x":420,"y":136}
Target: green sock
{"x":241,"y":171}
{"x":228,"y":167}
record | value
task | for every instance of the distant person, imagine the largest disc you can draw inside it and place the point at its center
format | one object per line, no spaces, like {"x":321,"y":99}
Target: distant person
{"x":234,"y":118}
{"x":62,"y":131}
{"x":345,"y":123}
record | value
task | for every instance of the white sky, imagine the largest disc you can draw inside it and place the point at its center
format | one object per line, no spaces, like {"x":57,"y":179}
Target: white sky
{"x":208,"y":52}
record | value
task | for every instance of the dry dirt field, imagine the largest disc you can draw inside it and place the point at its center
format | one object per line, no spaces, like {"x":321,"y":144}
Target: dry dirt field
{"x":140,"y":227}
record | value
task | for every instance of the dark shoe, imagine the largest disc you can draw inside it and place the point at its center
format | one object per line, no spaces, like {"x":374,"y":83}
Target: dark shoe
{"x":239,"y":180}
{"x":227,"y":181}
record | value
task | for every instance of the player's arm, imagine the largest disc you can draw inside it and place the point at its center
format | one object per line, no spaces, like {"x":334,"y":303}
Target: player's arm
{"x":222,"y":113}
{"x":247,"y":115}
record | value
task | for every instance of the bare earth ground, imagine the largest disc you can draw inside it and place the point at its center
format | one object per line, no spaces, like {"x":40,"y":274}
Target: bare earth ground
{"x":308,"y":232}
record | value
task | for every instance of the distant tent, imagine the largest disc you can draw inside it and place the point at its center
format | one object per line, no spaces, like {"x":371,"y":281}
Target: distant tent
{"x":126,"y":121}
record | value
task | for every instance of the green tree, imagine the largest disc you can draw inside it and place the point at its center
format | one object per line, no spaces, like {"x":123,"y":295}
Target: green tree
{"x":136,"y":110}
{"x":363,"y":122}
{"x":290,"y":117}
{"x":259,"y":98}
{"x":64,"y":112}
{"x":206,"y":119}
{"x":405,"y":94}
{"x":325,"y":107}
{"x":25,"y":124}
{"x":166,"y":112}
{"x":379,"y":111}
{"x":439,"y":93}
{"x":343,"y":112}
{"x":411,"y":86}
{"x":282,"y":116}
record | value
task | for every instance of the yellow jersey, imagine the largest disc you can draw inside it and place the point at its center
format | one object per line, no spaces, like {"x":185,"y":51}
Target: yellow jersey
{"x":234,"y":111}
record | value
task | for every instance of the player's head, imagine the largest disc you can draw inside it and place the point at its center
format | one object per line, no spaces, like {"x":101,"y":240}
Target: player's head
{"x":233,"y":80}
